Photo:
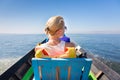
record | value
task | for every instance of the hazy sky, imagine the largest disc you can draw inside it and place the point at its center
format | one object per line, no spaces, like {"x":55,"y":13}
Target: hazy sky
{"x":81,"y":16}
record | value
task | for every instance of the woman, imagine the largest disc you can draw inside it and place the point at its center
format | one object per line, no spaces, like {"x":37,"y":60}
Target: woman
{"x":55,"y":47}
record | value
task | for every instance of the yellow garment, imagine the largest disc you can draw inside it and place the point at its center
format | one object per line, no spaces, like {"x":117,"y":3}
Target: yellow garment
{"x":71,"y":52}
{"x":42,"y":54}
{"x":39,"y":54}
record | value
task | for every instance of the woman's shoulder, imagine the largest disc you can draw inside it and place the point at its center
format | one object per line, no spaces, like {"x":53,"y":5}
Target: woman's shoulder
{"x":40,"y":46}
{"x":69,"y":44}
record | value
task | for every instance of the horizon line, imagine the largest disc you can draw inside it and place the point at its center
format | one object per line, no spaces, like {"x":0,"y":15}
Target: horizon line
{"x":65,"y":33}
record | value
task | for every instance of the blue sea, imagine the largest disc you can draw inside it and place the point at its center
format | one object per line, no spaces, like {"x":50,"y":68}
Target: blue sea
{"x":104,"y":46}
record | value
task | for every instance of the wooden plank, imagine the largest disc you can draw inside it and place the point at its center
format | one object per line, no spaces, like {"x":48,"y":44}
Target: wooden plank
{"x":108,"y":72}
{"x":63,"y":72}
{"x":94,"y":69}
{"x":76,"y":70}
{"x":36,"y":70}
{"x":87,"y":67}
{"x":28,"y":74}
{"x":99,"y":74}
{"x":48,"y":72}
{"x":92,"y":76}
{"x":48,"y":68}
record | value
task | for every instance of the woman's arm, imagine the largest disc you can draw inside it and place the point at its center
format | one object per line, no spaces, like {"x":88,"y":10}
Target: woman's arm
{"x":69,"y":44}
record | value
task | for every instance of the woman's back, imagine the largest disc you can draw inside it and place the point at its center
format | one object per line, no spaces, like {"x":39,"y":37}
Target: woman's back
{"x":55,"y":47}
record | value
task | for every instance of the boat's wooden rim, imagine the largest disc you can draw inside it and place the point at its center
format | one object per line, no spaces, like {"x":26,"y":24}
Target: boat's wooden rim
{"x":103,"y":69}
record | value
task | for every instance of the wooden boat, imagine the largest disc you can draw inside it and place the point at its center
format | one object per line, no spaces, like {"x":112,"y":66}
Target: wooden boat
{"x":22,"y":69}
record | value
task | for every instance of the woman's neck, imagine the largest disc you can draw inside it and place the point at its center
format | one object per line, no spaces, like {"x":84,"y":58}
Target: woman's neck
{"x":53,"y":41}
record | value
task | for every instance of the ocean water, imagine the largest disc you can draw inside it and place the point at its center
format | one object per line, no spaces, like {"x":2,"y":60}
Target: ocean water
{"x":104,"y":46}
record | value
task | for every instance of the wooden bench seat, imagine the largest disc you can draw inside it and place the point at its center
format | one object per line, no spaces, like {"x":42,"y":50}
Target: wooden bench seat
{"x":61,"y":69}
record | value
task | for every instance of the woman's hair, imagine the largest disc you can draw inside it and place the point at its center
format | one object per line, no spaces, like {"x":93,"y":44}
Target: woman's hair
{"x":53,"y":24}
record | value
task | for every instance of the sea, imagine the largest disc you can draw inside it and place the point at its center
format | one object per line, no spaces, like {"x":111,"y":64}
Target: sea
{"x":103,"y":46}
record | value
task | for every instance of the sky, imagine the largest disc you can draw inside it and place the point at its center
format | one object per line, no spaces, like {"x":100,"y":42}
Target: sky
{"x":81,"y":16}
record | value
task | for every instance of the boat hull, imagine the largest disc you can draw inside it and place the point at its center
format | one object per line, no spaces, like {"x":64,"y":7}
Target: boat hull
{"x":22,"y":70}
